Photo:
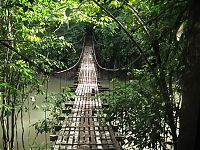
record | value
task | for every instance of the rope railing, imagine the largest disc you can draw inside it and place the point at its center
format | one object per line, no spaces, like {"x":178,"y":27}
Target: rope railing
{"x":80,"y":57}
{"x":95,"y":58}
{"x":80,"y":40}
{"x":104,"y":68}
{"x":95,"y":40}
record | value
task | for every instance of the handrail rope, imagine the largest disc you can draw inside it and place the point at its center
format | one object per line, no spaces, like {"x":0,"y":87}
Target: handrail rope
{"x":79,"y":40}
{"x":103,"y":45}
{"x":109,"y":69}
{"x":76,"y":62}
{"x":96,"y":40}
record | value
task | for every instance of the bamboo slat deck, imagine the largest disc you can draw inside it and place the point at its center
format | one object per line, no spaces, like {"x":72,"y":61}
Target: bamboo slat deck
{"x":85,"y":126}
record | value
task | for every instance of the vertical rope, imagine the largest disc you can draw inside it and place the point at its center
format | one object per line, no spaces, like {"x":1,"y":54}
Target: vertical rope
{"x":60,"y":85}
{"x":113,"y":98}
{"x":45,"y":112}
{"x":16,"y":133}
{"x":125,"y":94}
{"x":29,"y":119}
{"x":109,"y":85}
{"x":65,"y":82}
{"x":22,"y":123}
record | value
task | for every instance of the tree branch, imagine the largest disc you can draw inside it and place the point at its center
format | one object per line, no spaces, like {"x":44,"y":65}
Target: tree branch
{"x":24,"y":57}
{"x":126,"y":32}
{"x":140,"y":20}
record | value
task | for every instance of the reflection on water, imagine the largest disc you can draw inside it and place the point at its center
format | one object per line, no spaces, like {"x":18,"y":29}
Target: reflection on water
{"x":55,"y":85}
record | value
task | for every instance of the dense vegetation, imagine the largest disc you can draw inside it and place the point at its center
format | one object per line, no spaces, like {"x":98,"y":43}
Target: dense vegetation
{"x":148,"y":38}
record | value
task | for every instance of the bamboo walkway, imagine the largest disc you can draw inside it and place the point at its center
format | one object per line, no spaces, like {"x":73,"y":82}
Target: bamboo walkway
{"x":84,"y":126}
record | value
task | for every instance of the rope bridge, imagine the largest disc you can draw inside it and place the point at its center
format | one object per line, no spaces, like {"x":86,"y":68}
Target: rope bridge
{"x":84,"y":125}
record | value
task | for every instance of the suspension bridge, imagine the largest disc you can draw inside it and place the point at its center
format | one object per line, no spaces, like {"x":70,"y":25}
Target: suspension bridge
{"x":83,"y":121}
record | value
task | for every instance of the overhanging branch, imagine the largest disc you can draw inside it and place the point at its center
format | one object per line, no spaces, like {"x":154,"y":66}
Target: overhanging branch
{"x":126,"y":32}
{"x":23,"y":57}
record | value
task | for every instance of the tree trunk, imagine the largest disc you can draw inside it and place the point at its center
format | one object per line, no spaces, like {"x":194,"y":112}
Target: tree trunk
{"x":165,"y":93}
{"x":189,"y":119}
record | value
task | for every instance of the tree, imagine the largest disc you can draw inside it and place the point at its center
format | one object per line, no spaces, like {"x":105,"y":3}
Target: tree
{"x":38,"y":35}
{"x":155,"y":39}
{"x":190,"y":111}
{"x":31,"y":44}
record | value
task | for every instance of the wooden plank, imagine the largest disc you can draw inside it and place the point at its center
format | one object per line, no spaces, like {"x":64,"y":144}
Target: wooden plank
{"x":116,"y":144}
{"x":85,"y":127}
{"x":92,"y":134}
{"x":82,"y":133}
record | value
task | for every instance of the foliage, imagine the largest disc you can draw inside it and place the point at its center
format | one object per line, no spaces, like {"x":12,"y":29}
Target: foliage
{"x":39,"y":36}
{"x":151,"y":29}
{"x":52,"y":105}
{"x":33,"y":43}
{"x":137,"y":109}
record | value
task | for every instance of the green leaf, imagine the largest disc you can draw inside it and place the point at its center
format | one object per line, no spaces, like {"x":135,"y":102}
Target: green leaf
{"x":25,"y":8}
{"x":31,"y":1}
{"x":68,"y":12}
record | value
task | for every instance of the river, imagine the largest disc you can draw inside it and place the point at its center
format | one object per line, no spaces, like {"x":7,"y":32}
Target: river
{"x":55,"y":85}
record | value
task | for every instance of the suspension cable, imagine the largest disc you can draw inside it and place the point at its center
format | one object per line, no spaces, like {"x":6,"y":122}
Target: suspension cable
{"x":95,"y":58}
{"x":80,"y":57}
{"x":80,"y":40}
{"x":94,"y":38}
{"x":109,"y":69}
